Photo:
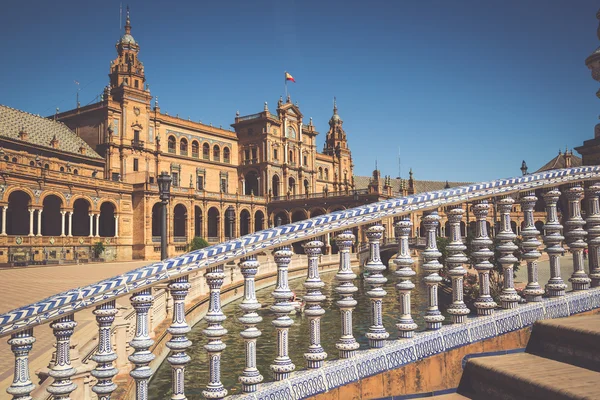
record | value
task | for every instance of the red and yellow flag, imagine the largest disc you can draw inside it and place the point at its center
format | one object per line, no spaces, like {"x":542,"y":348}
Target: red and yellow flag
{"x":289,"y":77}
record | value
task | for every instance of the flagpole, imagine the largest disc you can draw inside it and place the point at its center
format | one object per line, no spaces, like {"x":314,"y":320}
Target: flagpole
{"x":285,"y":83}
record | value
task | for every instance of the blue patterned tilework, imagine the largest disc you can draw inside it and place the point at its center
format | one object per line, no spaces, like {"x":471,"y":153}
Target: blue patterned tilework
{"x":77,"y":299}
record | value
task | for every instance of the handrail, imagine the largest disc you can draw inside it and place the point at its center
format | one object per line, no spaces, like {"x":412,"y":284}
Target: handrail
{"x":73,"y":300}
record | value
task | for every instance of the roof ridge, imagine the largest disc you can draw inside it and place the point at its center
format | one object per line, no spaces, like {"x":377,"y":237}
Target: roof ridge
{"x":33,"y":115}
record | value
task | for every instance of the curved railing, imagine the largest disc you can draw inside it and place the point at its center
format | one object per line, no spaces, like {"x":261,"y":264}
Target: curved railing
{"x":59,"y":309}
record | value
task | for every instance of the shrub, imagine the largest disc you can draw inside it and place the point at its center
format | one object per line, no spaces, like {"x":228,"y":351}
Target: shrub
{"x":98,"y":249}
{"x":197,"y":243}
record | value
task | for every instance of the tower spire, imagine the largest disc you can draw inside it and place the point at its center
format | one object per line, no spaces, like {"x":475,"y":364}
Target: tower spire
{"x":334,"y":105}
{"x":127,"y":22}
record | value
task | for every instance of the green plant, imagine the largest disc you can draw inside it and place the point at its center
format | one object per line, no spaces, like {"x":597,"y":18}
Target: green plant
{"x":98,"y":249}
{"x":197,"y":243}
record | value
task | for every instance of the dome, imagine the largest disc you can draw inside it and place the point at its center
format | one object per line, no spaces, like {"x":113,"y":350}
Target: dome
{"x":127,"y":39}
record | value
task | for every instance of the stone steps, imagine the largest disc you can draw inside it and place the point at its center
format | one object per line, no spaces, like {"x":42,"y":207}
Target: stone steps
{"x":562,"y":361}
{"x":574,"y":341}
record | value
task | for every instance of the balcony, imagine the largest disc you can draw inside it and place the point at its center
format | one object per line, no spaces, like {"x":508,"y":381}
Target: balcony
{"x":251,"y":161}
{"x":137,"y":144}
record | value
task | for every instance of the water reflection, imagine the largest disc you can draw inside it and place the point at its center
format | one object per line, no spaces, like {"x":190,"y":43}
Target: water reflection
{"x":233,"y":358}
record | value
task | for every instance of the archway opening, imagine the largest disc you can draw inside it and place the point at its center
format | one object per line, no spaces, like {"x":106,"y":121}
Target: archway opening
{"x":81,"y":218}
{"x":259,"y":221}
{"x":280,"y":218}
{"x":299,"y":215}
{"x":275,"y":186}
{"x":156,"y":211}
{"x":107,"y":219}
{"x":213,"y":224}
{"x":197,"y":221}
{"x":292,"y":186}
{"x":51,"y":217}
{"x":17,"y":214}
{"x":244,"y":223}
{"x":251,"y":183}
{"x":179,"y":221}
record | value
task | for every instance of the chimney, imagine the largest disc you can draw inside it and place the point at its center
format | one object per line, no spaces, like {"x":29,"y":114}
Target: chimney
{"x":568,"y":155}
{"x":23,"y":135}
{"x":54,"y":142}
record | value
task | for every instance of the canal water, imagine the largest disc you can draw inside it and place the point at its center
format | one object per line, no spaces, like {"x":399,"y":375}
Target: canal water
{"x":233,"y":358}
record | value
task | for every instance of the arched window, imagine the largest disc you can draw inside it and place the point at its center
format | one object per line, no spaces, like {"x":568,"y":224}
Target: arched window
{"x":76,"y":172}
{"x":320,"y":173}
{"x":291,"y":157}
{"x":216,"y":153}
{"x":32,"y":163}
{"x":195,"y":149}
{"x":183,"y":147}
{"x":206,"y":151}
{"x":326,"y":174}
{"x":172,"y":144}
{"x":226,"y":155}
{"x":46,"y":166}
{"x":62,"y":169}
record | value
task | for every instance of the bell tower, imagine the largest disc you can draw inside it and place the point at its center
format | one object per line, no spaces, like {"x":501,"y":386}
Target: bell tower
{"x":336,"y":145}
{"x":127,"y":71}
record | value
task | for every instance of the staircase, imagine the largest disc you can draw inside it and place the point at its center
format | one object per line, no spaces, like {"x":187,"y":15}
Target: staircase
{"x":562,"y":361}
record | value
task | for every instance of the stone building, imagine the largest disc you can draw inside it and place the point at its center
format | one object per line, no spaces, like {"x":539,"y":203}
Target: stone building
{"x":269,"y":156}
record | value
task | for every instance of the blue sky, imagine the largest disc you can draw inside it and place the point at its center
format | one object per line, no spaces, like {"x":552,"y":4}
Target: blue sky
{"x":465,"y":89}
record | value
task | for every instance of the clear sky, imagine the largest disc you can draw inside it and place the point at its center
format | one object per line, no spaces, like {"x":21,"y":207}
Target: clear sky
{"x":465,"y":89}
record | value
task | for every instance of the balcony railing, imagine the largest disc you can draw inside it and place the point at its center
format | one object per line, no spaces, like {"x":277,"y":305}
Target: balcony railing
{"x":317,"y":195}
{"x":488,"y":319}
{"x":180,"y":239}
{"x":137,"y":144}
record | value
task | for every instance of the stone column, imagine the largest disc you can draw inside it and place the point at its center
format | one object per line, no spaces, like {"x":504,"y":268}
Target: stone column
{"x":484,"y":303}
{"x":347,"y":344}
{"x":21,"y":344}
{"x":97,"y":225}
{"x":116,"y":225}
{"x":575,"y":235}
{"x":313,"y":298}
{"x":62,"y":371}
{"x":251,"y":376}
{"x":433,"y":317}
{"x":39,"y":223}
{"x":593,"y":226}
{"x":31,"y":211}
{"x":214,"y":332}
{"x":141,"y":343}
{"x":104,"y":356}
{"x":4,"y":208}
{"x":70,"y":223}
{"x":375,"y":280}
{"x":282,"y":366}
{"x":91,"y":224}
{"x":178,"y":288}
{"x":533,"y":291}
{"x":455,"y":260}
{"x":406,"y":325}
{"x":506,"y":247}
{"x":62,"y":223}
{"x":553,"y":240}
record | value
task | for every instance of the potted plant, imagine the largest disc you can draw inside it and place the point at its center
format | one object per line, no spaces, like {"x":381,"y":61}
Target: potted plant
{"x":98,"y":249}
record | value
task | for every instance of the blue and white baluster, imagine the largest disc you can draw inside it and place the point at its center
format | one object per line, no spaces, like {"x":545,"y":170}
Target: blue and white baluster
{"x":592,"y":221}
{"x":553,"y":240}
{"x":313,"y":310}
{"x":282,"y":365}
{"x":104,"y":356}
{"x":251,"y":376}
{"x":404,"y":262}
{"x":179,"y":343}
{"x":214,"y":332}
{"x":575,"y":235}
{"x":455,"y":260}
{"x":506,"y":246}
{"x":347,"y":344}
{"x":62,"y":371}
{"x":484,"y":303}
{"x":141,"y":343}
{"x":21,"y":344}
{"x":376,"y":333}
{"x":433,"y":317}
{"x":533,"y":291}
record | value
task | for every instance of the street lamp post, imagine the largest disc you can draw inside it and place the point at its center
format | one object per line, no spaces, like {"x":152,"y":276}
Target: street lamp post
{"x":164,"y":191}
{"x":278,"y":221}
{"x":230,"y":216}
